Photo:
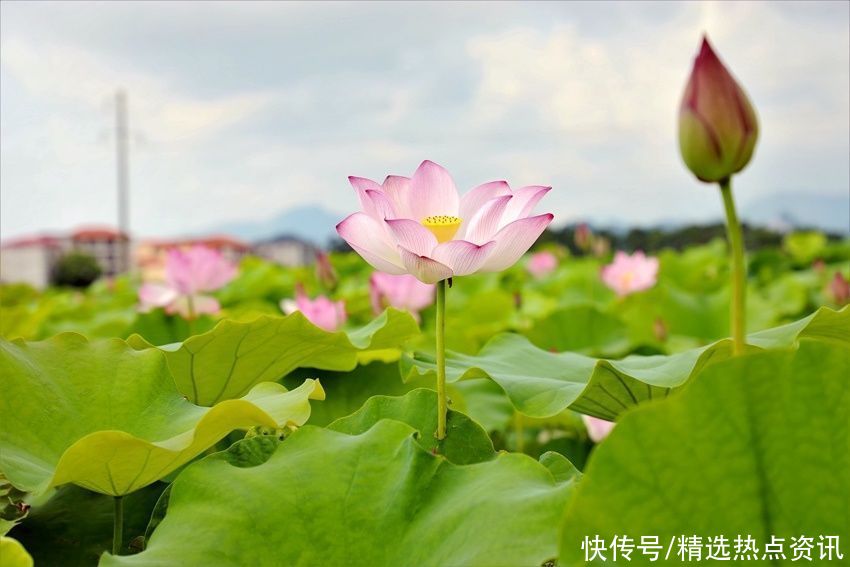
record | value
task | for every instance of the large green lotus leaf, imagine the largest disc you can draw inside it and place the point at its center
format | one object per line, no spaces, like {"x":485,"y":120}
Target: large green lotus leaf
{"x":375,"y":499}
{"x":227,"y":361}
{"x":108,"y":418}
{"x":13,"y":554}
{"x":756,"y":445}
{"x":541,"y":383}
{"x":348,"y":391}
{"x":583,"y":329}
{"x":466,"y":442}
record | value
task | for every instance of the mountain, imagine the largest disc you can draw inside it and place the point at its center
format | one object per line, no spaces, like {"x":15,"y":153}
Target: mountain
{"x":826,"y":212}
{"x":312,"y":223}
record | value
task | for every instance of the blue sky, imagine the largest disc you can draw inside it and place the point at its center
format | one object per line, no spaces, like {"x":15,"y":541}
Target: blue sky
{"x":240,"y":110}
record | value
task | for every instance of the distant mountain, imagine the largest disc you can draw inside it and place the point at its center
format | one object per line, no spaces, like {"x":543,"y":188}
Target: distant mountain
{"x":312,"y":223}
{"x":778,"y":211}
{"x":826,"y":212}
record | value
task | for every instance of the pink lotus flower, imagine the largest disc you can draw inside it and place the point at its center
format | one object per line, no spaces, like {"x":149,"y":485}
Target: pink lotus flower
{"x":542,"y":264}
{"x":188,"y":275}
{"x":322,"y":312}
{"x":420,"y":226}
{"x":597,"y":429}
{"x":718,"y":127}
{"x":628,"y":274}
{"x":401,"y":292}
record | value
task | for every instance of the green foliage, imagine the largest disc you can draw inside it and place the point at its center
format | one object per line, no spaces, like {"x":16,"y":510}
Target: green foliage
{"x":108,"y":418}
{"x":372,"y":499}
{"x":756,"y":445}
{"x":699,"y":433}
{"x":541,"y":383}
{"x":227,"y":361}
{"x":76,"y":269}
{"x":466,"y":442}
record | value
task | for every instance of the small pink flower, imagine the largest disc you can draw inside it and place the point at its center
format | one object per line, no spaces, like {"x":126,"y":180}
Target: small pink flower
{"x":188,"y":274}
{"x":628,"y":274}
{"x":597,"y":429}
{"x":420,"y":226}
{"x":401,"y":292}
{"x":322,"y":312}
{"x":542,"y":264}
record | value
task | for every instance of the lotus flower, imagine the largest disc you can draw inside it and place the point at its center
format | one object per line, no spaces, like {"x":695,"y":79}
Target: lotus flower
{"x":188,"y":275}
{"x":322,"y":312}
{"x":401,"y":292}
{"x":542,"y":264}
{"x":628,"y":274}
{"x":597,"y":429}
{"x":420,"y":226}
{"x":717,"y":124}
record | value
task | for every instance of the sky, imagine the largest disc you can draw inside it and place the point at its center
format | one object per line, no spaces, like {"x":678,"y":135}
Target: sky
{"x":241,"y":110}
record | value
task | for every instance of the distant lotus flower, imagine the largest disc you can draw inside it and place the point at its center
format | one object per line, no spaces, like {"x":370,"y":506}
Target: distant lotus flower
{"x":420,"y":226}
{"x":542,"y":264}
{"x":597,"y":429}
{"x":718,"y":127}
{"x":401,"y":292}
{"x":628,"y":274}
{"x":322,"y":312}
{"x":188,"y":275}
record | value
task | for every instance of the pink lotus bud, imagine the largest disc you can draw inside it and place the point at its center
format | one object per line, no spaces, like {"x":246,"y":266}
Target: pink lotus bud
{"x":583,"y":237}
{"x":597,"y":429}
{"x":542,"y":264}
{"x":718,"y":127}
{"x":325,"y":272}
{"x":840,"y":289}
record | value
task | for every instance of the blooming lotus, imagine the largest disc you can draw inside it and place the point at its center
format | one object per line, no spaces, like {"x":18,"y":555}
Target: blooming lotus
{"x":420,"y":226}
{"x":401,"y":292}
{"x":322,"y":312}
{"x":542,"y":264}
{"x":597,"y":429}
{"x":717,"y":124}
{"x":628,"y":274}
{"x":189,"y":274}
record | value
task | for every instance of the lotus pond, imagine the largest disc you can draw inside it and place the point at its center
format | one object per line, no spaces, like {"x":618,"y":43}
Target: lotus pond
{"x":436,"y":398}
{"x":263,"y":439}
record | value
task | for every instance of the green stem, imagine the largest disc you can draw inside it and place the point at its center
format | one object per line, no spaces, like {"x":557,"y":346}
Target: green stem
{"x":441,"y":360}
{"x":519,"y":433}
{"x":739,"y":273}
{"x":117,"y":524}
{"x":190,"y":304}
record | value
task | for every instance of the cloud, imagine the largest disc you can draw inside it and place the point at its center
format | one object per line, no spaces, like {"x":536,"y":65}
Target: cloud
{"x":238,"y":111}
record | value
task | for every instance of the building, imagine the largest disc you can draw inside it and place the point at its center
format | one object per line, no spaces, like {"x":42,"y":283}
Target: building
{"x":110,"y":247}
{"x":32,"y":259}
{"x":287,"y":251}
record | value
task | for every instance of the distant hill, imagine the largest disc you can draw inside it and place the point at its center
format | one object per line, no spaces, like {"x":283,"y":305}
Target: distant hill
{"x":312,"y":223}
{"x":826,"y":212}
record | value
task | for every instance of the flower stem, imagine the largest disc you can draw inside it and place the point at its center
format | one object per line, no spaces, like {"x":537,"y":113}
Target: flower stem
{"x":519,"y":432}
{"x":117,"y":524}
{"x":739,"y":274}
{"x":441,"y":360}
{"x":190,"y":305}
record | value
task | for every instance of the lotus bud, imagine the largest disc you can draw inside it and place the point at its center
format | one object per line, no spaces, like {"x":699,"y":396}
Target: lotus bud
{"x":840,"y":289}
{"x":718,"y":127}
{"x":325,"y":272}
